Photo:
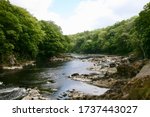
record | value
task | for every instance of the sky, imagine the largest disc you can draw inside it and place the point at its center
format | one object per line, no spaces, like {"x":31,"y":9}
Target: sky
{"x":75,"y":16}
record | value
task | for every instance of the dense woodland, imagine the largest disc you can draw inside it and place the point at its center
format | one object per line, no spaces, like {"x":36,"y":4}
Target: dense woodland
{"x":26,"y":38}
{"x":130,"y":36}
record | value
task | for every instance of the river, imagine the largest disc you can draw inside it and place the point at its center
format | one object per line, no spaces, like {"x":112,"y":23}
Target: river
{"x":47,"y":78}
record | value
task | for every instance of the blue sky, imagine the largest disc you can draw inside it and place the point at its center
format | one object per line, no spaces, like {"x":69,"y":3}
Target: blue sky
{"x":64,"y":7}
{"x":81,"y":15}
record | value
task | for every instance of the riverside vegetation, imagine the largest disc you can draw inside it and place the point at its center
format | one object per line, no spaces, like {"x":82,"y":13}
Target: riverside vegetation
{"x":23,"y":38}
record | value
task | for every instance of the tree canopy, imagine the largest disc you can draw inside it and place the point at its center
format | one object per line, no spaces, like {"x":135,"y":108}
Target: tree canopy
{"x":24,"y":36}
{"x":114,"y":39}
{"x":143,"y":29}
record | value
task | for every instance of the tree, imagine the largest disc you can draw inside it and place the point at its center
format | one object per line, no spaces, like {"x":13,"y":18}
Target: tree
{"x":53,"y":42}
{"x":20,"y":32}
{"x":114,"y":39}
{"x":143,"y":29}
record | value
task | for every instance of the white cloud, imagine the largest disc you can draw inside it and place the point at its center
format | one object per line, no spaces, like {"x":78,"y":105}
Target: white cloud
{"x":88,"y":15}
{"x":91,"y":14}
{"x":38,"y":8}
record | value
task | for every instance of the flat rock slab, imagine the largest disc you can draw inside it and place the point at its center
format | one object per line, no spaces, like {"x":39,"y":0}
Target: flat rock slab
{"x":145,"y":71}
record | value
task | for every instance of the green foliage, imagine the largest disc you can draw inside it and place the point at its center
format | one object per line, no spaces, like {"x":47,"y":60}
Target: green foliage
{"x":125,"y":37}
{"x":115,"y":39}
{"x":143,"y":29}
{"x":30,"y":36}
{"x":54,"y":42}
{"x":19,"y":31}
{"x":24,"y":36}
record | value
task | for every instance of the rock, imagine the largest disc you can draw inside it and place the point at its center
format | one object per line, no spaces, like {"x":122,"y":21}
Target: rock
{"x":115,"y":90}
{"x":12,"y":93}
{"x":130,"y":70}
{"x":104,"y":70}
{"x":29,"y":63}
{"x":60,"y":96}
{"x":75,"y":95}
{"x":136,"y":88}
{"x":126,"y":70}
{"x":145,"y":70}
{"x":61,"y":58}
{"x":92,"y":74}
{"x":105,"y":83}
{"x":112,"y":65}
{"x":12,"y":60}
{"x":125,"y":60}
{"x":132,"y":57}
{"x":85,"y":75}
{"x":64,"y":94}
{"x":12,"y":68}
{"x":33,"y":94}
{"x":1,"y":83}
{"x":54,"y":90}
{"x":75,"y":74}
{"x":112,"y":70}
{"x":82,"y":78}
{"x":19,"y":67}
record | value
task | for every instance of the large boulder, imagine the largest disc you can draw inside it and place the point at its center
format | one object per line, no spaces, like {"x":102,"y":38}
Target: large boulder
{"x":126,"y":70}
{"x":130,"y":70}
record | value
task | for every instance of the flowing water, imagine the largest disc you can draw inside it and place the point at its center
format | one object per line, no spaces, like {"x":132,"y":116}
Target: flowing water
{"x":47,"y":77}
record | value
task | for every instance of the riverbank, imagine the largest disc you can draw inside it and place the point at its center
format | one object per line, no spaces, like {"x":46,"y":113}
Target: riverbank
{"x":18,"y":66}
{"x":116,"y":73}
{"x":137,"y":88}
{"x":13,"y":64}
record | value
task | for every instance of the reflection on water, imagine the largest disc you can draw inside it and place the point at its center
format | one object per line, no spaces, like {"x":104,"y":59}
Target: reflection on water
{"x":42,"y":75}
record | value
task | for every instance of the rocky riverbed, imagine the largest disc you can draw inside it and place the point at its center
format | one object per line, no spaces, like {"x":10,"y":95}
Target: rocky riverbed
{"x":106,"y":68}
{"x":79,"y":77}
{"x":114,"y":72}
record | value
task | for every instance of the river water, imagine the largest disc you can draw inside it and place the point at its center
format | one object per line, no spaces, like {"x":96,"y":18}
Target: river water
{"x":48,"y":77}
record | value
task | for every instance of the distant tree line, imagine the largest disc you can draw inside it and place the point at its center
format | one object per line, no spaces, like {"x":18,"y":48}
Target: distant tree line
{"x":130,"y":36}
